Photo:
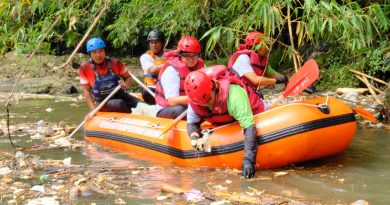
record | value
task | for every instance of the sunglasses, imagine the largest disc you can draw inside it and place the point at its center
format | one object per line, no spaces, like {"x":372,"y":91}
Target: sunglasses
{"x":190,"y":56}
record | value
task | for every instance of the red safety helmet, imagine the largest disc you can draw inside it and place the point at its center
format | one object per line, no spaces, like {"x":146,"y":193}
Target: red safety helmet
{"x":198,"y":87}
{"x":253,"y":38}
{"x":189,"y":44}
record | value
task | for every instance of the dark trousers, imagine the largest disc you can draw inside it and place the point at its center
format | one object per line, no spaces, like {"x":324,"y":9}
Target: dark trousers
{"x":121,"y":102}
{"x":148,"y":98}
{"x":172,"y":112}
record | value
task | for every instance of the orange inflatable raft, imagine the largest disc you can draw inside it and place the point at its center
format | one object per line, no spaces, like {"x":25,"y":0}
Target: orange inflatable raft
{"x":287,"y":134}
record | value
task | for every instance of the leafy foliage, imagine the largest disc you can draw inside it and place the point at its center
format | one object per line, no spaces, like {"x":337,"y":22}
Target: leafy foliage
{"x":352,"y":28}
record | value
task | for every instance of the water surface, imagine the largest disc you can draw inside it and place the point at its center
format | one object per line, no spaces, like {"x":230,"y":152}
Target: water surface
{"x":361,"y":172}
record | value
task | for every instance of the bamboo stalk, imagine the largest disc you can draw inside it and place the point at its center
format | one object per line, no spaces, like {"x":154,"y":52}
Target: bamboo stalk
{"x":295,"y":60}
{"x":86,"y":35}
{"x":378,"y":90}
{"x":368,"y":76}
{"x":365,"y":81}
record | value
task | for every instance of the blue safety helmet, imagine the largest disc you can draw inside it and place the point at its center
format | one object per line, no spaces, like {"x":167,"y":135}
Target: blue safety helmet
{"x":95,"y":43}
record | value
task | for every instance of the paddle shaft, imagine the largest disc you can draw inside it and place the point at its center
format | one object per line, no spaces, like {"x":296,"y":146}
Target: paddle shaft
{"x":181,"y":116}
{"x":97,"y":109}
{"x":142,"y":85}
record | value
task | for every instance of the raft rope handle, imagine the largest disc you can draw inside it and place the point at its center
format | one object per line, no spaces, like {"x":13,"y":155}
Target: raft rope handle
{"x":113,"y":119}
{"x":210,"y":130}
{"x":305,"y":104}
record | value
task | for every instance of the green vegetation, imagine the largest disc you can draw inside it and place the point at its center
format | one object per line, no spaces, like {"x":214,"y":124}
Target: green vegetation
{"x":355,"y":33}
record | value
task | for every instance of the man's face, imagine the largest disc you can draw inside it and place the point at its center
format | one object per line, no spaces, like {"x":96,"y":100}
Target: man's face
{"x":156,"y":46}
{"x":98,"y":56}
{"x":210,"y":103}
{"x":190,"y":59}
{"x":262,"y":51}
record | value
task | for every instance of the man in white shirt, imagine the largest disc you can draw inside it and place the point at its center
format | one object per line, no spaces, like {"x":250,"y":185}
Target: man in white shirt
{"x":251,"y":63}
{"x":170,"y":95}
{"x":152,"y":62}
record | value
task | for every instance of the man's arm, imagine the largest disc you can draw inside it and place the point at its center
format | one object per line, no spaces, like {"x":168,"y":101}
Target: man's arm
{"x":244,"y":68}
{"x":154,"y":70}
{"x":179,"y":100}
{"x":126,"y":83}
{"x":239,"y":108}
{"x":259,"y":80}
{"x":88,"y":97}
{"x":147,"y":64}
{"x":170,"y":82}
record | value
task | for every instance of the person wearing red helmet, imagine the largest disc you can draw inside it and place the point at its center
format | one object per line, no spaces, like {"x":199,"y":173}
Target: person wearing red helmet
{"x":170,"y":95}
{"x":151,"y":62}
{"x":220,"y":98}
{"x":251,"y":63}
{"x":101,"y":75}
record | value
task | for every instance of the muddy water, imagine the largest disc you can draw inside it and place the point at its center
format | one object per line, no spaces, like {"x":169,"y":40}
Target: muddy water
{"x":361,"y":172}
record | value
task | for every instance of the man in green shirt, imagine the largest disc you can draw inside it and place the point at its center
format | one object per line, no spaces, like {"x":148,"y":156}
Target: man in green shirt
{"x":223,"y":99}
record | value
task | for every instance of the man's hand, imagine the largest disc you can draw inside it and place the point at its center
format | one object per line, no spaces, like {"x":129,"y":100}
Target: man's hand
{"x":194,"y":138}
{"x":200,"y":143}
{"x":282,"y":79}
{"x":310,"y":90}
{"x":248,"y":169}
{"x":89,"y":116}
{"x":124,"y":85}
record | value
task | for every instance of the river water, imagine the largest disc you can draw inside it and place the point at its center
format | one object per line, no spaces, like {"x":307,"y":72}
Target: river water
{"x":362,"y":171}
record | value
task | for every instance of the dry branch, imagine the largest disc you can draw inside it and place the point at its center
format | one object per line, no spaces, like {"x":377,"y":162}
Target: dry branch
{"x":370,"y":88}
{"x":92,"y":26}
{"x":368,"y":76}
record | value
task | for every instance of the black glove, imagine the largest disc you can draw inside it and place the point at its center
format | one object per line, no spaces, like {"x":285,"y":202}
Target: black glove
{"x":250,"y":149}
{"x":282,"y":79}
{"x":248,"y":169}
{"x":310,"y":90}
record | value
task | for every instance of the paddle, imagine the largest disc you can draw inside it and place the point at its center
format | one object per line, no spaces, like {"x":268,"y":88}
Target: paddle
{"x":96,"y":109}
{"x":358,"y":110}
{"x":365,"y":114}
{"x":301,"y":80}
{"x":142,"y":85}
{"x":181,"y":116}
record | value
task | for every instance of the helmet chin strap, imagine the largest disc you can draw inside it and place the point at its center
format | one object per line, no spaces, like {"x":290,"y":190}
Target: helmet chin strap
{"x":99,"y":64}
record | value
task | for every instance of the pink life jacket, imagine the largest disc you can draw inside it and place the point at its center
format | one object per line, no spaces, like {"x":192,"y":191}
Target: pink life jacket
{"x":219,"y":113}
{"x":257,"y":64}
{"x":183,"y":71}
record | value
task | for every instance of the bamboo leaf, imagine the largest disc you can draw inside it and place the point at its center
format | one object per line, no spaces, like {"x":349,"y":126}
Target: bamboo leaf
{"x":229,"y":38}
{"x":300,"y":34}
{"x":326,"y":5}
{"x":369,"y":34}
{"x":324,"y":25}
{"x":382,"y":20}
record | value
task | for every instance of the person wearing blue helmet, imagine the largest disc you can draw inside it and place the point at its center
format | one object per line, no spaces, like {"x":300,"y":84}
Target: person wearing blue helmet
{"x":100,"y":75}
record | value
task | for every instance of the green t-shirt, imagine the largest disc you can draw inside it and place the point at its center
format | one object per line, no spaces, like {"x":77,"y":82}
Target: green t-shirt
{"x":239,"y":107}
{"x":270,"y":71}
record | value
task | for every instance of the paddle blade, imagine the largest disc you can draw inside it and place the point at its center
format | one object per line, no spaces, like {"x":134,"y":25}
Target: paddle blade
{"x":306,"y":75}
{"x":365,"y":114}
